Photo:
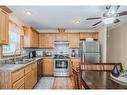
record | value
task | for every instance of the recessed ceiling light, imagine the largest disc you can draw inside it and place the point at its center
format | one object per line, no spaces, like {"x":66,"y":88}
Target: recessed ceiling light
{"x":77,"y":22}
{"x":28,"y":12}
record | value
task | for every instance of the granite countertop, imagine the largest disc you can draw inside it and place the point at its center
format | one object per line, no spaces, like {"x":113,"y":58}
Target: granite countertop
{"x":14,"y":67}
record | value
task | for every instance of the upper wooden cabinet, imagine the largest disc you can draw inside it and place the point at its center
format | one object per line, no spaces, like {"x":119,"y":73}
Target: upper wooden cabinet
{"x":61,"y":37}
{"x":46,"y":40}
{"x":4,"y":25}
{"x":31,"y":37}
{"x":85,"y":35}
{"x":73,"y":39}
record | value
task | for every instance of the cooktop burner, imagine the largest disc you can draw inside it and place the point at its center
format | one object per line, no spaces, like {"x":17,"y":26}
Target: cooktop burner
{"x":61,"y":57}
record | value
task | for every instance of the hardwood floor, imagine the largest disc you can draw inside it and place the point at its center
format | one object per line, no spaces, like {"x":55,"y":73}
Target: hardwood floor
{"x":63,"y":83}
{"x":55,"y":83}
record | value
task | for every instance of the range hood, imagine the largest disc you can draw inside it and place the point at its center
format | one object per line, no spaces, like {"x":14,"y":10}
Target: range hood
{"x":61,"y":42}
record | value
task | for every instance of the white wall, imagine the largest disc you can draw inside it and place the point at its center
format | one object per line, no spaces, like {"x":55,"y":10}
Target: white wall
{"x":117,"y":45}
{"x":103,"y":41}
{"x":66,"y":30}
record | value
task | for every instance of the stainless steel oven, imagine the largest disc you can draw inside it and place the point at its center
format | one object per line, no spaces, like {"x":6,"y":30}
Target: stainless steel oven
{"x":61,"y":67}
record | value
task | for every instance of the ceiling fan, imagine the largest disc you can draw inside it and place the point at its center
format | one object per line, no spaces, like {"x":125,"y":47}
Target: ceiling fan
{"x":110,"y":16}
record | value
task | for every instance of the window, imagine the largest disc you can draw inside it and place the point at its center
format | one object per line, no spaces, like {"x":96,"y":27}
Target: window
{"x":14,"y":39}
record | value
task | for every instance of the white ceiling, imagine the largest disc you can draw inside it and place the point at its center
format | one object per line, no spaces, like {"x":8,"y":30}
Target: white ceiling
{"x":53,"y":17}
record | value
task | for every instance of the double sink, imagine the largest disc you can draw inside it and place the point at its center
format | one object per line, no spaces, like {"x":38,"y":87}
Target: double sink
{"x":24,"y":61}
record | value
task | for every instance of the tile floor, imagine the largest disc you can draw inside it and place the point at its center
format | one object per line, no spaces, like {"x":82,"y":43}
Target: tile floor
{"x":55,"y":83}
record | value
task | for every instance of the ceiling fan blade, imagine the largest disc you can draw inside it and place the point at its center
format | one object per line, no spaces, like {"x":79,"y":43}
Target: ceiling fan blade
{"x":92,"y":18}
{"x":116,"y":20}
{"x":122,"y":13}
{"x":96,"y":23}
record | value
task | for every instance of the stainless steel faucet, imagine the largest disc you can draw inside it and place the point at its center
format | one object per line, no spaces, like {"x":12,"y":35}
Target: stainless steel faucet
{"x":21,"y":52}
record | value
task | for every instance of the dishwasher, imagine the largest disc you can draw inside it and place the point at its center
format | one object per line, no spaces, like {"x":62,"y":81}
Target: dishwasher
{"x":39,"y":69}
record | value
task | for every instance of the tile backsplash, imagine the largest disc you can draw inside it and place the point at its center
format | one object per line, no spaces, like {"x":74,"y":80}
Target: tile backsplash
{"x":57,"y":50}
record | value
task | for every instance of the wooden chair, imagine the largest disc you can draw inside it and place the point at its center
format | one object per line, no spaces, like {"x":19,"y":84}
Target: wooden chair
{"x":100,"y":66}
{"x":76,"y":78}
{"x":75,"y":75}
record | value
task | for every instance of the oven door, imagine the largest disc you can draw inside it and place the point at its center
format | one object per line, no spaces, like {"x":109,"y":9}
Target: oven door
{"x":61,"y":67}
{"x":61,"y":64}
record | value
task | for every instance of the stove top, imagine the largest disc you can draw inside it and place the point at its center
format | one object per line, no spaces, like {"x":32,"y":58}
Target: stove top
{"x":61,"y":57}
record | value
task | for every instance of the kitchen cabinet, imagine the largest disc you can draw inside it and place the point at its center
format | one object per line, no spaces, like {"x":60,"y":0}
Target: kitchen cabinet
{"x":48,"y":66}
{"x":61,"y":37}
{"x":30,"y":78}
{"x":34,"y":73}
{"x":74,"y":62}
{"x":23,"y":78}
{"x":84,"y":35}
{"x":31,"y":37}
{"x":73,"y":39}
{"x":17,"y":79}
{"x":46,"y":40}
{"x":4,"y":25}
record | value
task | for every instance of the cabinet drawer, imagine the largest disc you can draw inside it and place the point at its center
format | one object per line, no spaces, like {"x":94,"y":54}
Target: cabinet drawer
{"x":18,"y":83}
{"x":28,"y":69}
{"x":17,"y":75}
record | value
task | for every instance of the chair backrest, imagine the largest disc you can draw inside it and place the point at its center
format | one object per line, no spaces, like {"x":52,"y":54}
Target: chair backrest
{"x":100,"y":66}
{"x":76,"y":78}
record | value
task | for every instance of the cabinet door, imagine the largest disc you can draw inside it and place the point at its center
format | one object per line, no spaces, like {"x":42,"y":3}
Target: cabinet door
{"x":61,"y":37}
{"x":46,"y":40}
{"x":49,"y":39}
{"x":28,"y":81}
{"x":4,"y":24}
{"x":73,"y":40}
{"x":48,"y":66}
{"x":34,"y":73}
{"x":42,"y":42}
{"x":31,"y":37}
{"x":95,"y":35}
{"x":89,"y":35}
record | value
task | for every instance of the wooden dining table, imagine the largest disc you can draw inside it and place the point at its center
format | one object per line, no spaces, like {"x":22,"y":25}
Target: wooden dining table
{"x":99,"y":80}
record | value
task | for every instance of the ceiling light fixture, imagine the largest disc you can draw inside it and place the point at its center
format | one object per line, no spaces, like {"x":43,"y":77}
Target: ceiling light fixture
{"x":28,"y":12}
{"x":108,"y":20}
{"x":77,"y":21}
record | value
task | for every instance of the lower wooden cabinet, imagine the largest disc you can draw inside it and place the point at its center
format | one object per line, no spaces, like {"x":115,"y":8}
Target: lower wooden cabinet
{"x":48,"y":64}
{"x":24,"y":78}
{"x":19,"y":84}
{"x":31,"y":76}
{"x":34,"y":74}
{"x":28,"y":80}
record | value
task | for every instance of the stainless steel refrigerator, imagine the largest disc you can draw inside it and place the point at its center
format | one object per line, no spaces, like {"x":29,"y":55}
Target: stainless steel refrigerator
{"x":90,"y":51}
